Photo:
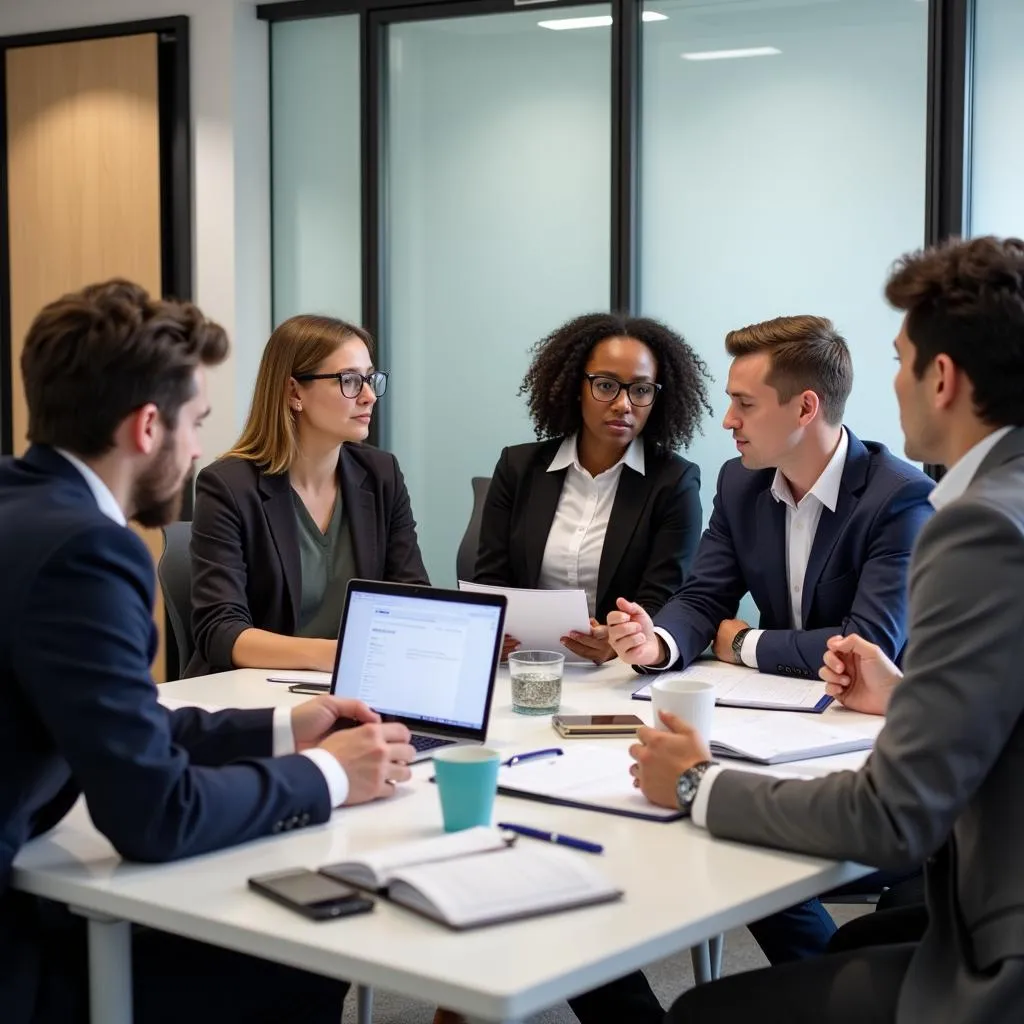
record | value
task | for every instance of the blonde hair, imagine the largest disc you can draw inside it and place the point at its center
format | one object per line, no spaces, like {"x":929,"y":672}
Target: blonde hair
{"x":298,"y":346}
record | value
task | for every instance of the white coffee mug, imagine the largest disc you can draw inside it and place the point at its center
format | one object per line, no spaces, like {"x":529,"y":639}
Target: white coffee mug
{"x":691,"y":699}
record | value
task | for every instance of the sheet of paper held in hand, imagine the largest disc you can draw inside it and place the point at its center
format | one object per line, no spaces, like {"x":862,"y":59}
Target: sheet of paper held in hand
{"x":538,"y":619}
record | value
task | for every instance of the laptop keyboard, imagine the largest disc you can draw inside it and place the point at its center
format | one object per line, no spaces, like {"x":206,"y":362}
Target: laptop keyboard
{"x":422,"y":743}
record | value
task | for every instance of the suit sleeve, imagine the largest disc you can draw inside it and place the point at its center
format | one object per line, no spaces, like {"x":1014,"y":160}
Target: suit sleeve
{"x":879,"y":609}
{"x":947,"y":724}
{"x":214,"y":738}
{"x":81,"y":649}
{"x":676,"y":533}
{"x":711,"y":593}
{"x":403,"y":562}
{"x":493,"y":562}
{"x":220,"y":605}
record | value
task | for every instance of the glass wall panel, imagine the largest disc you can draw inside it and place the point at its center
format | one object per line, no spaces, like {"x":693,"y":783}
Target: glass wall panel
{"x":997,"y":157}
{"x":316,"y":167}
{"x":783,"y":169}
{"x":498,"y":230}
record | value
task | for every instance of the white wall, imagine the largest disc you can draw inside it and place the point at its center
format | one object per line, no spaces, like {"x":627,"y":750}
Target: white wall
{"x":230,"y":152}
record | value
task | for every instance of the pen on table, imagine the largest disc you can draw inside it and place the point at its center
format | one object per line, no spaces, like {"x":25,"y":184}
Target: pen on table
{"x":552,"y":837}
{"x":531,"y":754}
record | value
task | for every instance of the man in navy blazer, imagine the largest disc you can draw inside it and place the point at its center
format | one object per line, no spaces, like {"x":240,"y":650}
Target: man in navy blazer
{"x":815,"y":524}
{"x":116,"y":391}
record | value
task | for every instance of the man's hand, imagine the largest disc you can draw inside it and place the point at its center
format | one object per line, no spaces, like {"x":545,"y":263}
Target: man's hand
{"x":593,"y":646}
{"x":375,"y":757}
{"x":727,"y":630}
{"x":661,"y":757}
{"x":508,"y":644}
{"x":858,"y":674}
{"x":632,"y":637}
{"x":314,"y":719}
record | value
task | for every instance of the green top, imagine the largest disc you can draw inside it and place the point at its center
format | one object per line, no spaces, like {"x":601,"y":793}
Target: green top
{"x":328,"y":563}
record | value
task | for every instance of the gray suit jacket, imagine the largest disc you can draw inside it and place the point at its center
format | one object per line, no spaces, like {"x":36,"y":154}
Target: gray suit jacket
{"x":945,"y":782}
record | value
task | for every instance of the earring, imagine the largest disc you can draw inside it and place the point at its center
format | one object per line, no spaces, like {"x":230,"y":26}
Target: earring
{"x":297,"y":407}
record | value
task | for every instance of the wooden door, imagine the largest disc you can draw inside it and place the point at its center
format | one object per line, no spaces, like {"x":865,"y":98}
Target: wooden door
{"x":83,"y":166}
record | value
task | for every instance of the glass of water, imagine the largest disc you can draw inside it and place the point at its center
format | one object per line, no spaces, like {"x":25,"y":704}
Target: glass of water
{"x":536,"y":681}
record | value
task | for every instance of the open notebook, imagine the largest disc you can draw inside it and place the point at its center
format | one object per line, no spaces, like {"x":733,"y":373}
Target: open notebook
{"x":478,"y":877}
{"x":737,"y":686}
{"x":775,"y":739}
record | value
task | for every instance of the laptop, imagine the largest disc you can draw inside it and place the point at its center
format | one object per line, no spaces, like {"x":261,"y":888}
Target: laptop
{"x":423,"y":656}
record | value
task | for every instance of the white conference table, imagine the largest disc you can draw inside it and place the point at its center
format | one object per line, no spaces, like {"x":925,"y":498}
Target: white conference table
{"x":682,"y":886}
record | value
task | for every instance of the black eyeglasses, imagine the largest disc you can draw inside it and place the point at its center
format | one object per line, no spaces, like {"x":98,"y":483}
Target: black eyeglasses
{"x":606,"y":389}
{"x":352,"y":383}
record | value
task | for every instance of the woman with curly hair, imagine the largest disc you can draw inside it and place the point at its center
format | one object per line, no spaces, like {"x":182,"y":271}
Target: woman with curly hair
{"x":601,"y":502}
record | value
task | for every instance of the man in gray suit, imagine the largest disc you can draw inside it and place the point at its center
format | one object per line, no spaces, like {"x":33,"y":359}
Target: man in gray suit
{"x":945,"y":782}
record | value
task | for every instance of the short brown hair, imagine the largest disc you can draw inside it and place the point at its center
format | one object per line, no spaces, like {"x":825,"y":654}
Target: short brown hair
{"x":297,"y":346}
{"x":966,"y":300}
{"x":807,"y":354}
{"x":93,"y":357}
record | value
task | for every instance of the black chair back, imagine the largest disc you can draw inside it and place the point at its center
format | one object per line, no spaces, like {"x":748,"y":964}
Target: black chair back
{"x":465,"y":560}
{"x":174,"y":571}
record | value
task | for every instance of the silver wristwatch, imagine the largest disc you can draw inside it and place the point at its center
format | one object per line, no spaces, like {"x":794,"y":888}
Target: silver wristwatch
{"x":688,"y":784}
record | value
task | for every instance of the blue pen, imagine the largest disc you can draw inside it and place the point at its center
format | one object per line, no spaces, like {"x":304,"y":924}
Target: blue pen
{"x":531,"y":754}
{"x":552,"y":837}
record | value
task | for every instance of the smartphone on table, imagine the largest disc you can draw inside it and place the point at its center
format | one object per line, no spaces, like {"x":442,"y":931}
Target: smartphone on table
{"x":596,"y":725}
{"x":311,"y":894}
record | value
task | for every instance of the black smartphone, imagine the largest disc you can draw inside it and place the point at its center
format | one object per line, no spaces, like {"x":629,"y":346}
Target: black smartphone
{"x":310,"y":688}
{"x":313,"y":895}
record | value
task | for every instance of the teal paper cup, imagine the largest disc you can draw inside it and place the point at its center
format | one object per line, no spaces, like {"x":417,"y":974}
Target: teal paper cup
{"x":467,"y":779}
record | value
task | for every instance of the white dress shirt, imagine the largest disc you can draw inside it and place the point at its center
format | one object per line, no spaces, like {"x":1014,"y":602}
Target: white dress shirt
{"x":572,"y":555}
{"x":283,"y":739}
{"x":948,"y":489}
{"x":802,"y":518}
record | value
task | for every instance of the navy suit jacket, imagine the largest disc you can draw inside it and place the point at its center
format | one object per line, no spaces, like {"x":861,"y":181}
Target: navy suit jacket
{"x":79,"y":711}
{"x":856,"y":580}
{"x":652,"y":531}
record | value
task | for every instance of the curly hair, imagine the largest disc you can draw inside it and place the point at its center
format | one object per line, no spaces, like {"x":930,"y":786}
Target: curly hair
{"x":553,"y":380}
{"x":966,"y":299}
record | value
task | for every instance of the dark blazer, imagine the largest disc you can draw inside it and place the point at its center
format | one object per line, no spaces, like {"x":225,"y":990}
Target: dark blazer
{"x":652,"y":533}
{"x":246,"y":570}
{"x":79,"y":711}
{"x":943,"y":782}
{"x":856,"y":578}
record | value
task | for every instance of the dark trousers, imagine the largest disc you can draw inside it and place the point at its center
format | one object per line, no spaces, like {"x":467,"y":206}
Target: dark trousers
{"x":857,"y":982}
{"x":627,"y":999}
{"x":177,"y":981}
{"x":805,"y":931}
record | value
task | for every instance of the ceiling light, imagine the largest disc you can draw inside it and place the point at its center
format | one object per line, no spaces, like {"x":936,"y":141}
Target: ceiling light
{"x":597,"y":21}
{"x":752,"y":51}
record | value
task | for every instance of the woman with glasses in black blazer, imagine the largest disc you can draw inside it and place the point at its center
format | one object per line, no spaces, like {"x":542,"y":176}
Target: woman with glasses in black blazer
{"x":602,"y":503}
{"x":298,"y":507}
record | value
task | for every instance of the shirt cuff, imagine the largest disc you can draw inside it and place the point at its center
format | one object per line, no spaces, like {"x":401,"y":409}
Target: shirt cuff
{"x":748,"y":649}
{"x":699,"y":811}
{"x":673,"y":650}
{"x":334,"y":775}
{"x":284,"y":738}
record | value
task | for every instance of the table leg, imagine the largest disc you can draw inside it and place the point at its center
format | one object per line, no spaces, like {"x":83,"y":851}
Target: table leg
{"x":110,"y":968}
{"x":364,"y":1004}
{"x":715,"y":947}
{"x":700,"y":957}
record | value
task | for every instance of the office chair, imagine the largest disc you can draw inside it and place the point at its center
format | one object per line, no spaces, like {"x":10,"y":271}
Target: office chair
{"x":174,"y":571}
{"x":465,"y":560}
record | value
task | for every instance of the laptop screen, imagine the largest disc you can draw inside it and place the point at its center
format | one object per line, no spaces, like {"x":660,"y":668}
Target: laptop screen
{"x":420,"y":654}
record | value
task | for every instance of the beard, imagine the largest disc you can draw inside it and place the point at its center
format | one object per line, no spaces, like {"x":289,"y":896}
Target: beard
{"x":158,"y":492}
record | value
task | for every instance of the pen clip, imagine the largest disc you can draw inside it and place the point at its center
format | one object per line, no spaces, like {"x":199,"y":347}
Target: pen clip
{"x":530,"y":755}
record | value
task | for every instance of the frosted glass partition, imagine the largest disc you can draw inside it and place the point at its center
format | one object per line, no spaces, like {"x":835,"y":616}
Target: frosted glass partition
{"x":997,"y":194}
{"x":316,"y":167}
{"x":783,"y":178}
{"x":498,"y":230}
